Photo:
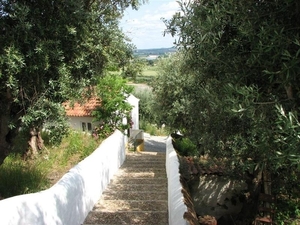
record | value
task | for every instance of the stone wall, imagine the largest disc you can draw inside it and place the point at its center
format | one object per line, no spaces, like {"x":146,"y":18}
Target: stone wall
{"x":217,"y":196}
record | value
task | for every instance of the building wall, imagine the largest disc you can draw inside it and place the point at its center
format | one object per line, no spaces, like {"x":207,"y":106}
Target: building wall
{"x":76,"y":123}
{"x":135,"y":111}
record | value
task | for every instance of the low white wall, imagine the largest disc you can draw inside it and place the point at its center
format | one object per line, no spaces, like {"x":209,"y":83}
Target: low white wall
{"x":176,"y":205}
{"x":69,"y":201}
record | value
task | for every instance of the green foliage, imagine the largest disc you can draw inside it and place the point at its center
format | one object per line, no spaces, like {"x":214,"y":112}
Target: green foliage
{"x":185,"y":147}
{"x":20,"y":177}
{"x":50,"y":116}
{"x":148,"y":75}
{"x":149,"y":120}
{"x":153,"y":129}
{"x":288,"y":212}
{"x":53,"y":51}
{"x":113,"y":92}
{"x":172,"y":92}
{"x":146,"y":105}
{"x":150,"y":71}
{"x":233,"y":87}
{"x":78,"y":143}
{"x":134,"y":68}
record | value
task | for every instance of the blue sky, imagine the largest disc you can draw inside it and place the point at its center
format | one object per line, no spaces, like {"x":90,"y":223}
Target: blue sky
{"x":145,"y":27}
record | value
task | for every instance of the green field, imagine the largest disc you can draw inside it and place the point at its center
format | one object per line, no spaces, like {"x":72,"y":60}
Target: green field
{"x":150,"y":71}
{"x":148,"y":74}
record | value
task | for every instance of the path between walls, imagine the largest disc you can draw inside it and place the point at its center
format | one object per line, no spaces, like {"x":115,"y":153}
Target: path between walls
{"x":138,"y":192}
{"x":143,"y":189}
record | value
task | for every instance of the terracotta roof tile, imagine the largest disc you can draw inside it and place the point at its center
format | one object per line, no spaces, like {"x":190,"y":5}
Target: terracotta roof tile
{"x":82,"y":109}
{"x":191,"y":167}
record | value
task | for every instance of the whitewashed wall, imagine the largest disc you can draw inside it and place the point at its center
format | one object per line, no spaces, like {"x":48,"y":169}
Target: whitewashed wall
{"x":134,"y":102}
{"x":76,"y":122}
{"x":69,"y":201}
{"x":175,"y":198}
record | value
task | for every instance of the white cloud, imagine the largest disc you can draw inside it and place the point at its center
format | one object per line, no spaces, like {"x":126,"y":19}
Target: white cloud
{"x":145,"y":26}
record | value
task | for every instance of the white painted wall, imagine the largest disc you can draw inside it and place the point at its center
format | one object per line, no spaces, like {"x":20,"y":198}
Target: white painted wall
{"x":176,"y":205}
{"x":69,"y":201}
{"x":132,"y":100}
{"x":76,"y":122}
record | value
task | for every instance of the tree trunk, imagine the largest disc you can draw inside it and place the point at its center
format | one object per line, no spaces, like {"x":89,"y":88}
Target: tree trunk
{"x":36,"y":142}
{"x":267,"y":182}
{"x":5,"y":117}
{"x":4,"y":145}
{"x":250,"y":204}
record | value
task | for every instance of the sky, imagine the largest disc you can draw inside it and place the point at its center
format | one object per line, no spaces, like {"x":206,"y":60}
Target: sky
{"x":145,"y":27}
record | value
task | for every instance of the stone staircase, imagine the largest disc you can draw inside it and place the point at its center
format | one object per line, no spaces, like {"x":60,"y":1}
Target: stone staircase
{"x":136,"y":195}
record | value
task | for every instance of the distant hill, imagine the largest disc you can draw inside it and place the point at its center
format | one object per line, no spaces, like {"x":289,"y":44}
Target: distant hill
{"x":153,"y":51}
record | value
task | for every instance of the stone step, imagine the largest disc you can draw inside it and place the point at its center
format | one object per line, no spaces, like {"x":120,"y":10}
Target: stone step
{"x":132,"y":205}
{"x":150,"y":152}
{"x":148,"y":162}
{"x":141,"y":175}
{"x":135,"y":195}
{"x":146,"y":181}
{"x":156,"y":156}
{"x":141,"y":160}
{"x":141,"y":218}
{"x":145,"y":155}
{"x":144,"y":165}
{"x":137,"y":187}
{"x":141,"y":170}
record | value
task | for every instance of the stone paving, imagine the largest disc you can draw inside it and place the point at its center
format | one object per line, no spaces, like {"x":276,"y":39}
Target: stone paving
{"x":138,"y":192}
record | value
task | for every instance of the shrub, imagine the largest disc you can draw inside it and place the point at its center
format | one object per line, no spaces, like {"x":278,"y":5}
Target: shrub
{"x":185,"y":147}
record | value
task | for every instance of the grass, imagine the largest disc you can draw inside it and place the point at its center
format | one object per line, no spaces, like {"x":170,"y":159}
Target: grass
{"x":148,"y":74}
{"x":150,"y":71}
{"x":19,"y":176}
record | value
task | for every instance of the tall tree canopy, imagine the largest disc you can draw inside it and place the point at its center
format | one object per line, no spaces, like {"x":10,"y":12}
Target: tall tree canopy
{"x":237,"y":92}
{"x":50,"y":51}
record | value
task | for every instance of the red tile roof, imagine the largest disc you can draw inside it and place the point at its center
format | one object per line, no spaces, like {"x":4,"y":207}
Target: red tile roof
{"x":82,"y":109}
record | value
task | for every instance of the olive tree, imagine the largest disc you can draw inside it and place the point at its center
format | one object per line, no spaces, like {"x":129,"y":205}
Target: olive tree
{"x":51,"y":51}
{"x":238,"y":96}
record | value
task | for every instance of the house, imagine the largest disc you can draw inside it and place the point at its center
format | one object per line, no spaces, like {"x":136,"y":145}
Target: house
{"x":80,"y":115}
